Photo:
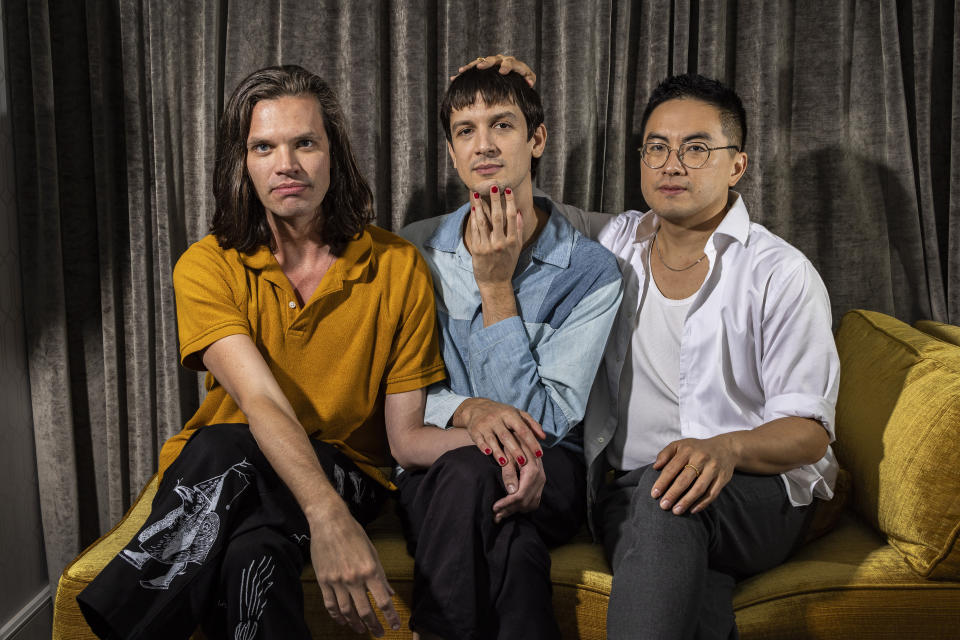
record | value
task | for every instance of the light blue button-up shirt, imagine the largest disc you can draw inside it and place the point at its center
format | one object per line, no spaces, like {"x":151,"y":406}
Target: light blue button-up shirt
{"x":543,"y":361}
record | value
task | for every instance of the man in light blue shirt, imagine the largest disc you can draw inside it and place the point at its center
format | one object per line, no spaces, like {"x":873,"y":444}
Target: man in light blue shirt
{"x":524,"y":305}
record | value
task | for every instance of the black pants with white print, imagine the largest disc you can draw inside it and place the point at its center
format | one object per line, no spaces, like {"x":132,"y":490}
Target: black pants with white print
{"x":223,"y":547}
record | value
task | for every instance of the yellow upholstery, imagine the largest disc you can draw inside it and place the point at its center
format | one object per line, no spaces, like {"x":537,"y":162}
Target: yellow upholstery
{"x":940,"y":331}
{"x":898,"y":429}
{"x":848,"y":584}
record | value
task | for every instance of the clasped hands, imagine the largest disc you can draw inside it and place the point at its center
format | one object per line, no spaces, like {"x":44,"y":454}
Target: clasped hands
{"x":510,"y":436}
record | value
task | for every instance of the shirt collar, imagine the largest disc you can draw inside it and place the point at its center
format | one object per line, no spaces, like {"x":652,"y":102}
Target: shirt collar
{"x":736,"y":224}
{"x":350,"y":266}
{"x":553,"y":246}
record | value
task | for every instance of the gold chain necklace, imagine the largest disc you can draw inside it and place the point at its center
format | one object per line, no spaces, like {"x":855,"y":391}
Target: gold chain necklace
{"x":663,"y":262}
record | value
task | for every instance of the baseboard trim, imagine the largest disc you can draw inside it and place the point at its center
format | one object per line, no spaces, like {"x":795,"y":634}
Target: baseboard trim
{"x":22,"y":617}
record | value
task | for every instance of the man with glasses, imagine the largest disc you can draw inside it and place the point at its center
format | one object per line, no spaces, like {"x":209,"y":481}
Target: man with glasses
{"x":707,"y":432}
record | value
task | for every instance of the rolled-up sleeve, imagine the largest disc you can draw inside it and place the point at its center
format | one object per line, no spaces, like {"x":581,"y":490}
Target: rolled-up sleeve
{"x":801,"y":369}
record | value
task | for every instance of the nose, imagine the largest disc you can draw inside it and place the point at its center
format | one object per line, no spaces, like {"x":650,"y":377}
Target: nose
{"x":485,"y":142}
{"x":287,"y":162}
{"x":673,"y":165}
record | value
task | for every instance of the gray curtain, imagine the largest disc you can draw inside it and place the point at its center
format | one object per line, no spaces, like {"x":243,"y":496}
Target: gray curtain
{"x":854,"y":144}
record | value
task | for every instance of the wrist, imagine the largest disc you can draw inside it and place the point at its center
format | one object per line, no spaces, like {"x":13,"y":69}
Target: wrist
{"x":460,"y":417}
{"x":735,"y":446}
{"x":497,"y":303}
{"x":495,"y":289}
{"x":327,"y":507}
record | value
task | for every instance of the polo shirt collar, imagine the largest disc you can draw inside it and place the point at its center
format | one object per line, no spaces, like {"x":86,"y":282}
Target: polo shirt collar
{"x":350,"y":266}
{"x":553,"y":246}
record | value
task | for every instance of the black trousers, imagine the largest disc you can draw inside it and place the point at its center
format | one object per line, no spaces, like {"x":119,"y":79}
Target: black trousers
{"x":474,"y":578}
{"x":223,"y":547}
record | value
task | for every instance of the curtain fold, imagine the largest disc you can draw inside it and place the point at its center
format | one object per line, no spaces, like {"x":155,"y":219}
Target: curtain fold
{"x":854,"y":147}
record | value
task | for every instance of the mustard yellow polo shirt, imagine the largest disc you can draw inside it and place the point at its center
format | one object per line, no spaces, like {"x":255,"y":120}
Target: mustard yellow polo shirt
{"x":369,"y":329}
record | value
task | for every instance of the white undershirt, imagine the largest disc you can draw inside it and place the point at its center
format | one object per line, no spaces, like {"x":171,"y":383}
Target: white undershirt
{"x":649,"y":405}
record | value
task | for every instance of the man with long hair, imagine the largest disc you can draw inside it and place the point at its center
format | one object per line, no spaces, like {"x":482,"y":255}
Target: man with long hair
{"x":317,"y":333}
{"x":525,"y":304}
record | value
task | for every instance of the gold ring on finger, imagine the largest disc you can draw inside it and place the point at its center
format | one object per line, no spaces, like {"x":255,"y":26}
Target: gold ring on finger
{"x":695,"y":470}
{"x":480,"y":59}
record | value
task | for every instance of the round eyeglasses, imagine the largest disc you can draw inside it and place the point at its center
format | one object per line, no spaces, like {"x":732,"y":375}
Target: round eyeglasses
{"x":692,"y":155}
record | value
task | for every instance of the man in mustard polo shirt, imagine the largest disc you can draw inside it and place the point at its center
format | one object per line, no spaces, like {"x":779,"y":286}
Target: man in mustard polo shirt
{"x":317,"y":332}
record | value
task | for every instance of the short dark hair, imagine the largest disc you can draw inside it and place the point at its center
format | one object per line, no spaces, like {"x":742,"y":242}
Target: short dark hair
{"x":733,"y":118}
{"x":495,"y":88}
{"x":239,"y":221}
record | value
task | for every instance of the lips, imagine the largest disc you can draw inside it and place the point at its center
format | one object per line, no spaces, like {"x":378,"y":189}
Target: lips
{"x":671,"y":189}
{"x":289,"y":189}
{"x":487,"y":168}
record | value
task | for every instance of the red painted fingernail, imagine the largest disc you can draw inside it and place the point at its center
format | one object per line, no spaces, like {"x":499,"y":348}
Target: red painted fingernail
{"x":476,"y":195}
{"x":502,"y":460}
{"x":493,"y":189}
{"x":473,"y":210}
{"x":538,"y":453}
{"x":507,"y":191}
{"x":487,"y":451}
{"x":521,"y":460}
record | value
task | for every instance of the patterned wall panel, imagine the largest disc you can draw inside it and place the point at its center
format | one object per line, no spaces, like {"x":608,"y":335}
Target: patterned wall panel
{"x":22,"y":560}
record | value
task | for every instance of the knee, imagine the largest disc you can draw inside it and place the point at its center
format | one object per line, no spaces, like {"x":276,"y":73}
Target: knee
{"x":251,"y":554}
{"x":646,"y":523}
{"x":464,"y":467}
{"x":223,"y":437}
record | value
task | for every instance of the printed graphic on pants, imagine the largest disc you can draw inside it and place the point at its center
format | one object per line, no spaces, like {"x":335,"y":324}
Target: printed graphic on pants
{"x":255,"y":582}
{"x":187,"y":533}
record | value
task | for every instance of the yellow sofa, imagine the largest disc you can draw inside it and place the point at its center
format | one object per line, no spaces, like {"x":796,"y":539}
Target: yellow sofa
{"x":890,"y":568}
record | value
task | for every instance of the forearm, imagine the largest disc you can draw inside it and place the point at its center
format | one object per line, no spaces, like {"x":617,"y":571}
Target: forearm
{"x":778,"y":446}
{"x":418,"y":447}
{"x":287,"y":448}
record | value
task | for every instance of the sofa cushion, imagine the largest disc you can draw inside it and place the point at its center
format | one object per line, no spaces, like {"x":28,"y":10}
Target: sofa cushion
{"x":898,"y":429}
{"x":848,"y":584}
{"x":939,"y":330}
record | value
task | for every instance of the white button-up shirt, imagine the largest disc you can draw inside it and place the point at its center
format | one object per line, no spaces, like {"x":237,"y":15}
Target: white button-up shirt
{"x":756,"y":344}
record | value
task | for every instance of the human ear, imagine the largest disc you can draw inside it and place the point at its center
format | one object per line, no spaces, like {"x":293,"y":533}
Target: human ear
{"x":539,"y":139}
{"x":738,"y":169}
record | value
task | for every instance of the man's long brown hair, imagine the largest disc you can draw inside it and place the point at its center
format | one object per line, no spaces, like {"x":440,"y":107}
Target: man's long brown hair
{"x":240,"y":221}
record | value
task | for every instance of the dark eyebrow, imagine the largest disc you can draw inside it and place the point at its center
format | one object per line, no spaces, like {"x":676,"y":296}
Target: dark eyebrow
{"x":504,"y":115}
{"x":703,"y":135}
{"x":700,"y":135}
{"x":460,"y":123}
